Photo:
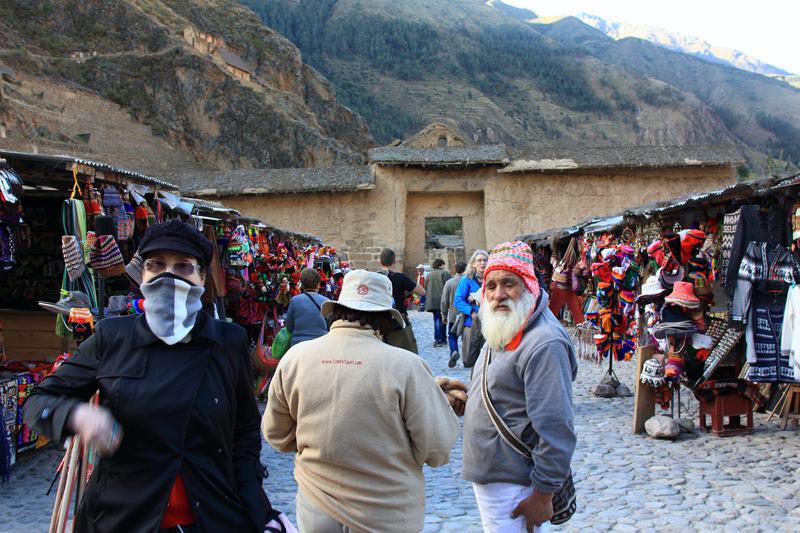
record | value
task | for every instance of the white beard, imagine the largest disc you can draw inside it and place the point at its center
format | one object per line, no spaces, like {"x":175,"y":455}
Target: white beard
{"x":499,"y":327}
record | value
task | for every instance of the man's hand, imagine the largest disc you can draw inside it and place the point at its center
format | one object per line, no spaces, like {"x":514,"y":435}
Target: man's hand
{"x":536,"y":508}
{"x":97,"y":427}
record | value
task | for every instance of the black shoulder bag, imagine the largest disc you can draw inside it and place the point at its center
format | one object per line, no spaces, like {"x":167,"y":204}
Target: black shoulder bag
{"x":564,"y":499}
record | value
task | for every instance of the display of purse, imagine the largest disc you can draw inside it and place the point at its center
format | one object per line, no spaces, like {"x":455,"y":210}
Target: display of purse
{"x":91,"y":201}
{"x":561,"y":275}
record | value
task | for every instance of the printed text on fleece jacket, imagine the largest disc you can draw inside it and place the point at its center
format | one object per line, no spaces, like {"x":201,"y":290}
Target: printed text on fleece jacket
{"x":363,"y":417}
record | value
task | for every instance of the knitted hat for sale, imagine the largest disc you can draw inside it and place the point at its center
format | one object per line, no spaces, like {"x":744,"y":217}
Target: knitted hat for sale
{"x":618,"y":275}
{"x":106,"y":258}
{"x":73,"y":257}
{"x":673,"y":370}
{"x":691,"y":241}
{"x":515,"y":257}
{"x":602,"y":271}
{"x":134,"y":269}
{"x":669,"y":277}
{"x":88,"y":244}
{"x":656,"y":251}
{"x":653,"y":373}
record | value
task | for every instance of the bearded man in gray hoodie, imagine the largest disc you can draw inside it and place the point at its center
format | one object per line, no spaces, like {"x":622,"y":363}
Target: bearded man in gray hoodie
{"x":529,"y":365}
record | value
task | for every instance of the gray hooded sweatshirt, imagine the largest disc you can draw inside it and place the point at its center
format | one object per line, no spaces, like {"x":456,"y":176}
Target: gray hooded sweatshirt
{"x":531,"y":389}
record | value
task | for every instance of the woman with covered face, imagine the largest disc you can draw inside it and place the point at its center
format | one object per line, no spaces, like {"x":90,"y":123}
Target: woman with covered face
{"x":177,"y":426}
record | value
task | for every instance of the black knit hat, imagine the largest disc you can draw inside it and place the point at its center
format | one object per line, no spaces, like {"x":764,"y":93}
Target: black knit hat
{"x":176,"y":236}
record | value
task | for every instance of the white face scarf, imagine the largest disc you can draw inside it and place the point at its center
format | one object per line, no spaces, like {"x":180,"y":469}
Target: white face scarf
{"x":171,"y":305}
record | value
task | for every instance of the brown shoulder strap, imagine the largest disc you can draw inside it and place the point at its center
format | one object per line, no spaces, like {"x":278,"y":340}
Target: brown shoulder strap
{"x":502,"y":429}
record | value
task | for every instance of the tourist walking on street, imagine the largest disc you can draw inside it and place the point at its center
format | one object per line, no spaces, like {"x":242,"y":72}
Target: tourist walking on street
{"x":433,"y":304}
{"x":524,"y":374}
{"x":467,"y":301}
{"x":303,"y":319}
{"x":448,"y":303}
{"x":422,"y":281}
{"x":402,"y":286}
{"x":362,"y":417}
{"x":177,"y":423}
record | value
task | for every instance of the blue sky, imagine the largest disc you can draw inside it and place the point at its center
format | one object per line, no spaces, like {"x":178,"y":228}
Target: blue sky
{"x":767,"y":29}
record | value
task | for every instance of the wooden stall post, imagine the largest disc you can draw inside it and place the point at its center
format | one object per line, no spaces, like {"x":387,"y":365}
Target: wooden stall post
{"x":644,"y":405}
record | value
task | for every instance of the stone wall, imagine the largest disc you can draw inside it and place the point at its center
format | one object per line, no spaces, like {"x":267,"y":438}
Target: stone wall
{"x":494,"y":207}
{"x":360,"y":223}
{"x":533,"y":202}
{"x":451,"y":256}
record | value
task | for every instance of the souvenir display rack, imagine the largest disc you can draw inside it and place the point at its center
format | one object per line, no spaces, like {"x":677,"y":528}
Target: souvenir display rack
{"x":698,"y":255}
{"x":73,"y":225}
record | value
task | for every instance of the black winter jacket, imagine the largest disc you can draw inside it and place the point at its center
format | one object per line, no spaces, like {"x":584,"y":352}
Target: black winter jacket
{"x":186,"y":408}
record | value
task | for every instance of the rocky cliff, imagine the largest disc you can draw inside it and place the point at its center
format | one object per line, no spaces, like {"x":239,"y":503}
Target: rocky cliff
{"x":82,"y":71}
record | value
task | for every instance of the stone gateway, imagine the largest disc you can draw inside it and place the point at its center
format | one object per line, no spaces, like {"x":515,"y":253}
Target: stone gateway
{"x":498,"y":192}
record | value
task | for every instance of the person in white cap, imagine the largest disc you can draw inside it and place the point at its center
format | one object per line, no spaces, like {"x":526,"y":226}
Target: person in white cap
{"x":363,"y":417}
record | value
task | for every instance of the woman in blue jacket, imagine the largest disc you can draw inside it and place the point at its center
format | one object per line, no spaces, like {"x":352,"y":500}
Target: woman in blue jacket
{"x":468,"y":305}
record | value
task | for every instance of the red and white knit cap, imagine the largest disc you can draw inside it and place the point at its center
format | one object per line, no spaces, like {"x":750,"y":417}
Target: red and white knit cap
{"x":515,"y":257}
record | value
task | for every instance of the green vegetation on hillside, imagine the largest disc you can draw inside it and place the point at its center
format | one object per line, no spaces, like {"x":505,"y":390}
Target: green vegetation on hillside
{"x":499,"y":78}
{"x":490,"y":60}
{"x":516,"y":52}
{"x":787,"y":137}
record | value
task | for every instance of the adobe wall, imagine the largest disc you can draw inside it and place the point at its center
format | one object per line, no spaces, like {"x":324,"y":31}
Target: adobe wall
{"x":361,"y":223}
{"x":533,"y":202}
{"x":393,"y":213}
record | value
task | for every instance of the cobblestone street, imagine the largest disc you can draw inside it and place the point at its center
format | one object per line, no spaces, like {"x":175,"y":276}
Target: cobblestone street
{"x":625,"y":482}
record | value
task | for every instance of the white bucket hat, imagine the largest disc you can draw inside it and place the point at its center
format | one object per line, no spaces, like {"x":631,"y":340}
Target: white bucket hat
{"x":365,"y":291}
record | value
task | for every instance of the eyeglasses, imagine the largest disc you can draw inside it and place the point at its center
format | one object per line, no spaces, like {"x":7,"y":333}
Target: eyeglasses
{"x":183,"y":269}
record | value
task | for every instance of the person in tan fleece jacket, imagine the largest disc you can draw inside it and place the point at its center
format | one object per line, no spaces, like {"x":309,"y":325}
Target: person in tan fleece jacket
{"x":362,"y":417}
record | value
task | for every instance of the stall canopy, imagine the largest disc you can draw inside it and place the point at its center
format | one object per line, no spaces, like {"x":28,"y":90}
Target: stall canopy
{"x":102,"y":171}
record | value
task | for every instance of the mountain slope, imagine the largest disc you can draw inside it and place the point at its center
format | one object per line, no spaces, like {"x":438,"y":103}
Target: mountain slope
{"x":130,"y":58}
{"x":402,"y":65}
{"x":683,"y":43}
{"x":499,"y":78}
{"x":759,"y":111}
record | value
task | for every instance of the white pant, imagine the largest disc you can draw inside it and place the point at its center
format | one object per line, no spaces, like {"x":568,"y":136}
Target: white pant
{"x":496,"y":501}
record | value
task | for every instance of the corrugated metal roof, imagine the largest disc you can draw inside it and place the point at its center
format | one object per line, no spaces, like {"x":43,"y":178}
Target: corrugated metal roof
{"x":212,"y":207}
{"x":105,"y":167}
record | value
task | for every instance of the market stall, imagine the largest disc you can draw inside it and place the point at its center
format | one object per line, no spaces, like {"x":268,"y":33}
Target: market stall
{"x":68,"y":235}
{"x":712,"y":308}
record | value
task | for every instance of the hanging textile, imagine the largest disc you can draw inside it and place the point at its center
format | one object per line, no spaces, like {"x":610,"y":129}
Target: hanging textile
{"x":757,"y":223}
{"x":759,"y":302}
{"x":8,"y":425}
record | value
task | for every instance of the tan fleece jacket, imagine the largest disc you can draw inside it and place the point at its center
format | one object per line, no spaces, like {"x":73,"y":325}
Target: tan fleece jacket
{"x":363,"y":417}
